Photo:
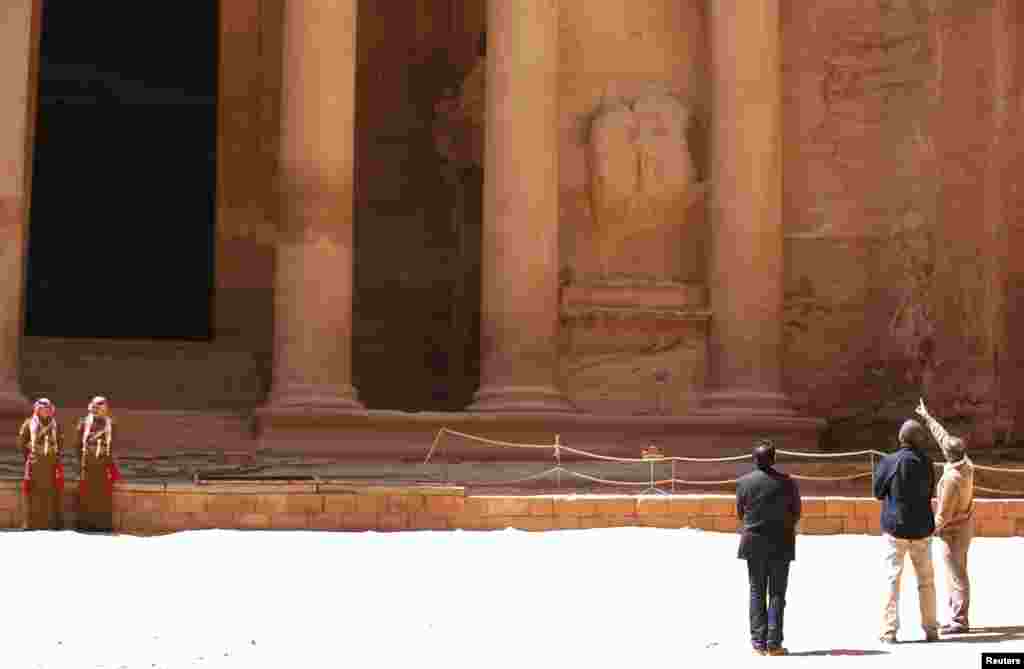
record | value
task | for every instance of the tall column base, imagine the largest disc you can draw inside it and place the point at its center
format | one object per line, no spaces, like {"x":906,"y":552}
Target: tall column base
{"x":300,"y":395}
{"x":521,"y":399}
{"x":11,"y":399}
{"x":763,"y":403}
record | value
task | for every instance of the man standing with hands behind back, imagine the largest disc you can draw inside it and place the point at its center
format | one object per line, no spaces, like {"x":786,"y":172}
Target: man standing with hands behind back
{"x":768,"y":504}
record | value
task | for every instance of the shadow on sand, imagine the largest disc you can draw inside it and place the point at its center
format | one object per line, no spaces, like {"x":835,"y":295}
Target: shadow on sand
{"x":987,"y":635}
{"x":974,"y":635}
{"x":837,"y":651}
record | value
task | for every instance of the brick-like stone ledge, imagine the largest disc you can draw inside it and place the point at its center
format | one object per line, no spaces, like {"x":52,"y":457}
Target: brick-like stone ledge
{"x":159,"y":507}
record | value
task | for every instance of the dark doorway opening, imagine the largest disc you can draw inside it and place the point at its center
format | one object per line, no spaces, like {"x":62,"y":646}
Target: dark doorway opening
{"x":121,"y":239}
{"x":418,"y":207}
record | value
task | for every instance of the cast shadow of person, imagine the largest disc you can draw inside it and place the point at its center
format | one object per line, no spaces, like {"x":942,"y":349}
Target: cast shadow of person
{"x":987,"y":635}
{"x":974,"y":635}
{"x":836,"y":652}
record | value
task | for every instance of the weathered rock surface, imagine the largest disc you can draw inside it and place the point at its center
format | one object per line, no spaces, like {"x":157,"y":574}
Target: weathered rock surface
{"x":895,"y":120}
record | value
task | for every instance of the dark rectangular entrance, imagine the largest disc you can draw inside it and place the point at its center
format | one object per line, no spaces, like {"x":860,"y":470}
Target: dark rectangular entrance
{"x":417,"y":211}
{"x":121,"y":238}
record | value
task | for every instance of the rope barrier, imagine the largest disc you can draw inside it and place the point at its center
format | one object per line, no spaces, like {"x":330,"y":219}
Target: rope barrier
{"x":526,"y":479}
{"x":595,"y":479}
{"x":558,"y":448}
{"x":1007,"y":470}
{"x":597,"y":456}
{"x":830,"y":455}
{"x":493,"y":442}
{"x":433,"y":446}
{"x":849,"y":477}
{"x":1018,"y":493}
{"x":727,"y":482}
{"x":676,"y":458}
{"x":658,"y":482}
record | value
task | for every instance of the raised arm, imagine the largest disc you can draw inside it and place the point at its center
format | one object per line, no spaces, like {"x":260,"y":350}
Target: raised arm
{"x":942,"y":437}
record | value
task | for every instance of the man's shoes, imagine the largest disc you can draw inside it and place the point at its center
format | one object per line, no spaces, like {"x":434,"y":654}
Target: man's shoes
{"x":777,"y":650}
{"x":931,"y":635}
{"x":954,"y":628}
{"x":760,"y":650}
{"x":887,"y":638}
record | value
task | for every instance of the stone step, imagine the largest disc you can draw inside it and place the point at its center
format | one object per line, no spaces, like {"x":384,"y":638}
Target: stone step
{"x":168,"y":432}
{"x":147,"y":375}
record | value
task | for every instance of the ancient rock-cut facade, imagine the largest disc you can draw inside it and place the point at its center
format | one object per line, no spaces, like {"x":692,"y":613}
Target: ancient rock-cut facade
{"x":688,"y":220}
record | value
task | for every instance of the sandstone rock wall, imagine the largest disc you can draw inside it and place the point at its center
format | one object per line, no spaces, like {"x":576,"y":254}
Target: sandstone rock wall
{"x":897,"y":116}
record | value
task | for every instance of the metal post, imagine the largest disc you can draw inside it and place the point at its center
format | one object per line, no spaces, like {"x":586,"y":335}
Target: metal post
{"x":558,"y":462}
{"x":872,"y":471}
{"x":444,"y":467}
{"x":652,"y":487}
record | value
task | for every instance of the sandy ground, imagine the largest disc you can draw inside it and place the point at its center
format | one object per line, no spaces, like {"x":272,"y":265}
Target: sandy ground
{"x":624,"y":597}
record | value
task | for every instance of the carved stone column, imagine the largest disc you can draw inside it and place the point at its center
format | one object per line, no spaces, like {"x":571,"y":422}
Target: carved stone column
{"x":313,"y":282}
{"x":19,"y":45}
{"x":519,"y":305}
{"x":746,"y":269}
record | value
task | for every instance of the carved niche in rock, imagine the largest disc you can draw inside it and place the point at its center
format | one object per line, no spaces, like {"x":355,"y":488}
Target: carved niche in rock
{"x":641,"y":172}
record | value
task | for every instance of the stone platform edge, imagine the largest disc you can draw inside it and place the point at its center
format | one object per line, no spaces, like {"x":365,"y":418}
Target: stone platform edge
{"x":159,"y":508}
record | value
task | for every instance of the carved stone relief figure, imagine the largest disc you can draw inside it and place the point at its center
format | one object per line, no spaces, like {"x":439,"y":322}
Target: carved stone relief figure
{"x":641,"y":173}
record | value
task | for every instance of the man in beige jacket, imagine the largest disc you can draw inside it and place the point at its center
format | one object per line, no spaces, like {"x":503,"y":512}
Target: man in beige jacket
{"x":954,"y":520}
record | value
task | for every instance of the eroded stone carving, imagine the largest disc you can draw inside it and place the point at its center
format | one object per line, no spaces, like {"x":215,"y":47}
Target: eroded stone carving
{"x":641,"y":173}
{"x":459,"y":119}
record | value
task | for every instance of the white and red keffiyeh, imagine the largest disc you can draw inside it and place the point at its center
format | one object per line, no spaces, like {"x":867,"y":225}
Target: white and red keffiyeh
{"x":104,"y":435}
{"x":38,"y":430}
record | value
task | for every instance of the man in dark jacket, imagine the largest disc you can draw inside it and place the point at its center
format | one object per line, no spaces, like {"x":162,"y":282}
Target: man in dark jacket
{"x":768,"y":503}
{"x":904,"y":481}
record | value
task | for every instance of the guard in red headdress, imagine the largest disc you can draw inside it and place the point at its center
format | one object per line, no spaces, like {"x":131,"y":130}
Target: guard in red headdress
{"x":99,"y":470}
{"x":43,"y":481}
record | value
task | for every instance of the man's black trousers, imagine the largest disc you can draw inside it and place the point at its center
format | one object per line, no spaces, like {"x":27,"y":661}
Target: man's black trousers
{"x":768,"y":582}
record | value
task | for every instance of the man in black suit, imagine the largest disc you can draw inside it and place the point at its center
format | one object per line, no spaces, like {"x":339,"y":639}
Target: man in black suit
{"x":768,"y":503}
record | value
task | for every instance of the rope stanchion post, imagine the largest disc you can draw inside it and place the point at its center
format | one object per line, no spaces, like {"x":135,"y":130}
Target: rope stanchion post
{"x":445,"y":461}
{"x":873,"y":464}
{"x":652,"y":486}
{"x":430,"y":454}
{"x":433,"y":446}
{"x":558,"y":462}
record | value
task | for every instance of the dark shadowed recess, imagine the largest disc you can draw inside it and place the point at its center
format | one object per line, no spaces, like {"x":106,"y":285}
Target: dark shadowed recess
{"x":124,"y":171}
